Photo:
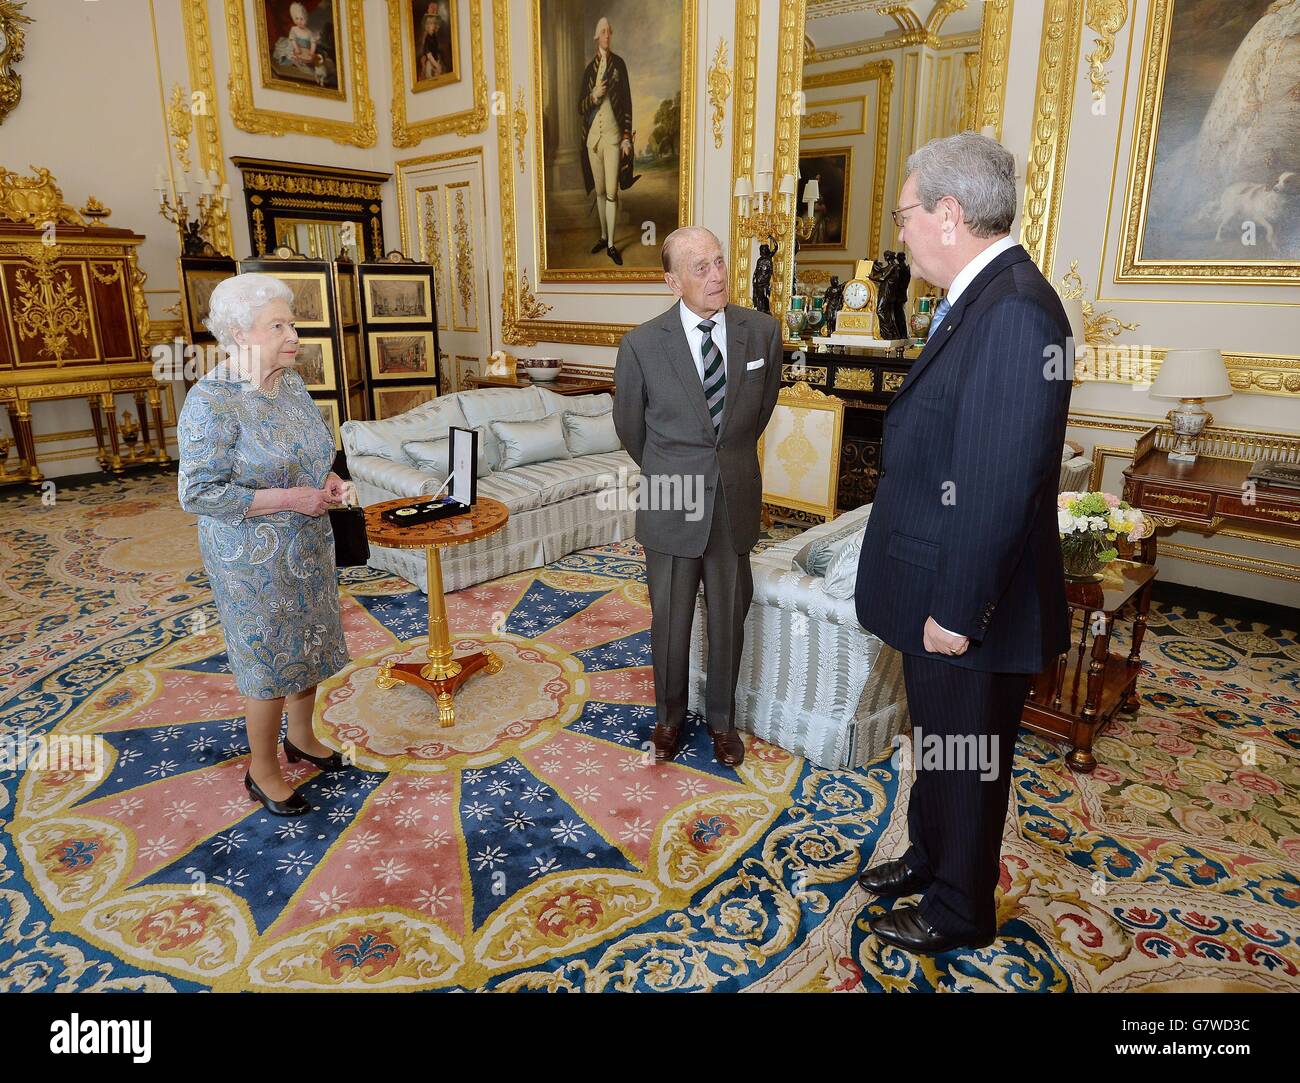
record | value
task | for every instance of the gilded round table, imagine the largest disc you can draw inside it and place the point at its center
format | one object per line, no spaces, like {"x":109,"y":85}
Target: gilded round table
{"x":442,"y":674}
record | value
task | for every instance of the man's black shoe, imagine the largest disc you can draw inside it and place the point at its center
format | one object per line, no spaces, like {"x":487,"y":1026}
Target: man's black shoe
{"x":891,"y":879}
{"x":906,"y":929}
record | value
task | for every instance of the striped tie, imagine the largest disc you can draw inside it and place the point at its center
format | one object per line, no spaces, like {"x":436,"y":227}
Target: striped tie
{"x":715,"y":374}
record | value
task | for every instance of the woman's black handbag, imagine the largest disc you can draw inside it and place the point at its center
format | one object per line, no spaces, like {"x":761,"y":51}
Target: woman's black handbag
{"x":351,"y":547}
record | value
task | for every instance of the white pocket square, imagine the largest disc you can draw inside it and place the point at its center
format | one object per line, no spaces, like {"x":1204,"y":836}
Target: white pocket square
{"x":756,"y":364}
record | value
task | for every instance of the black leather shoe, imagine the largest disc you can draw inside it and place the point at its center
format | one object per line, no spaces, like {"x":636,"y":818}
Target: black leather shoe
{"x":613,"y":254}
{"x":891,"y":879}
{"x":332,"y":762}
{"x":905,"y":928}
{"x":294,"y":805}
{"x":599,"y":245}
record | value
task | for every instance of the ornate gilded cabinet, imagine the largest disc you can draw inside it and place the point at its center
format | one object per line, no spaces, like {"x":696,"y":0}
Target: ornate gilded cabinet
{"x":866,"y":380}
{"x":74,"y":323}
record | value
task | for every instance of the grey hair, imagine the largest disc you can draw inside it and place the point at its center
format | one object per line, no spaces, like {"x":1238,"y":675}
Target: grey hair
{"x":978,"y":172}
{"x":235,"y":302}
{"x":679,"y":236}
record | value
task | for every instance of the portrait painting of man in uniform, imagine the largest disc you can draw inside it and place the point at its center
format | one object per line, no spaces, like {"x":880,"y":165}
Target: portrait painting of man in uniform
{"x":613,"y":134}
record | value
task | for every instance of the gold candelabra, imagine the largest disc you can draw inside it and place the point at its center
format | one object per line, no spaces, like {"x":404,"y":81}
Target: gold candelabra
{"x":211,"y":205}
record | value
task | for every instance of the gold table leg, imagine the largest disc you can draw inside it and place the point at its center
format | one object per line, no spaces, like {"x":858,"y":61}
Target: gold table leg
{"x":442,"y":674}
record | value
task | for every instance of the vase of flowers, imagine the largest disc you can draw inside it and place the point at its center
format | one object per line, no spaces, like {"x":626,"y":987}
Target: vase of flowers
{"x":1089,"y":524}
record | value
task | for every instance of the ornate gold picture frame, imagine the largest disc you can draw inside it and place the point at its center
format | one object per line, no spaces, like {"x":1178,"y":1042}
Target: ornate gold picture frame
{"x":1214,"y":176}
{"x":297,"y":47}
{"x":350,"y":36}
{"x":315,"y":363}
{"x":648,"y":45}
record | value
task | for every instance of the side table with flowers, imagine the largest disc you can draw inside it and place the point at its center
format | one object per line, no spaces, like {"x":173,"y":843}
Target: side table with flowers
{"x":1075,"y":696}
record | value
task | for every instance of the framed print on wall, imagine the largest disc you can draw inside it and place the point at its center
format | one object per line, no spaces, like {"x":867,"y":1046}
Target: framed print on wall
{"x":1214,"y":177}
{"x":401,"y":355}
{"x":310,"y":307}
{"x":315,"y":363}
{"x":200,"y":275}
{"x":329,"y":412}
{"x":398,"y":298}
{"x":833,"y":170}
{"x":391,"y":401}
{"x":432,"y":41}
{"x":298,"y":47}
{"x":628,"y":70}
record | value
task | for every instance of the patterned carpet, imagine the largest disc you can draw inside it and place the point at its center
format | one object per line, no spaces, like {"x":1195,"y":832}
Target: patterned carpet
{"x":535,"y":845}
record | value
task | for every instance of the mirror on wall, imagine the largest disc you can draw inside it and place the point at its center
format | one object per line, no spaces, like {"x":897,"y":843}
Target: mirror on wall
{"x":877,"y":84}
{"x":318,"y":239}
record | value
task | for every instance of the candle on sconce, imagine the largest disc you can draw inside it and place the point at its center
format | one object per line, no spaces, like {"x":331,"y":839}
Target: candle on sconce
{"x":811,"y":193}
{"x":182,"y":187}
{"x":744,"y":193}
{"x":788,"y":189}
{"x":225,"y":193}
{"x":160,"y":182}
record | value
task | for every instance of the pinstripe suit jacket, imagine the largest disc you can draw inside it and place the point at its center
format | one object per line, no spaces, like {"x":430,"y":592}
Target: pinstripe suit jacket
{"x":663,"y":420}
{"x":963,"y":528}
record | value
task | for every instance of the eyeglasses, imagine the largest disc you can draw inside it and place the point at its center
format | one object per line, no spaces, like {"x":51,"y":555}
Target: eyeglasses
{"x":900,"y":222}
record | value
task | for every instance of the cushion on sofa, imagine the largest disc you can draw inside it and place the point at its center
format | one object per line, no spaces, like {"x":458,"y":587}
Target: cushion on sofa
{"x":489,"y":404}
{"x":590,"y":434}
{"x":428,"y":421}
{"x":524,"y":442}
{"x":563,"y":479}
{"x":815,"y":554}
{"x":590,"y":405}
{"x":431,"y":455}
{"x":842,"y":565}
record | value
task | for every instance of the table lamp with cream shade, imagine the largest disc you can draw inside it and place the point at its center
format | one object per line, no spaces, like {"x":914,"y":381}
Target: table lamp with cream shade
{"x":1191,"y":376}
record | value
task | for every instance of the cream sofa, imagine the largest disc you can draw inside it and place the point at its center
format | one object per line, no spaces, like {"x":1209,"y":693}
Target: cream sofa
{"x":555,"y":506}
{"x":812,"y":680}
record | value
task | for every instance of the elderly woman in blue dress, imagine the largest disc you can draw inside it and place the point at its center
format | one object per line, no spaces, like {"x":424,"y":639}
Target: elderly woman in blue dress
{"x":255,"y":459}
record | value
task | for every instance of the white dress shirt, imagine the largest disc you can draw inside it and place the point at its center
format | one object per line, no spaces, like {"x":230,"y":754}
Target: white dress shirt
{"x":963,"y":279}
{"x":691,"y":325}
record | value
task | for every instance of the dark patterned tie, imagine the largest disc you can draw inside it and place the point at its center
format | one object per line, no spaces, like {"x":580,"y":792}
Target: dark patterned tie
{"x":715,"y":374}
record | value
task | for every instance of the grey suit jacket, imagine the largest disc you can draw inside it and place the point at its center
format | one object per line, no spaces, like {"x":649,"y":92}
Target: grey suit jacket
{"x":663,"y":421}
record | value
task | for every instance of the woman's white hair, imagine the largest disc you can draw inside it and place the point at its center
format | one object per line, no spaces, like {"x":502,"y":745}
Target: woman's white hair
{"x":235,"y":302}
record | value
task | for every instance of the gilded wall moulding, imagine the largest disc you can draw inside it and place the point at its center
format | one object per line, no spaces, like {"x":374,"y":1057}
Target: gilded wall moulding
{"x":520,"y":126}
{"x":1058,"y":60}
{"x":785,"y":156}
{"x":1099,"y":328}
{"x":180,"y":125}
{"x":198,"y":52}
{"x":360,"y":131}
{"x":742,"y":139}
{"x":1106,"y":18}
{"x":991,"y":85}
{"x":467,"y":122}
{"x":12,"y":40}
{"x":719,"y":90}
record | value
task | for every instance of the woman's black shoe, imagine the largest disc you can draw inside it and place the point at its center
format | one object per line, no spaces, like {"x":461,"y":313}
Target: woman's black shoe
{"x":332,"y":762}
{"x":295,"y":805}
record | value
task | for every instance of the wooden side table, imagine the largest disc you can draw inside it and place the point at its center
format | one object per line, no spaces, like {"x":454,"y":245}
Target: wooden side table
{"x":1079,"y":693}
{"x":442,"y":674}
{"x":564,"y":384}
{"x":1216,"y":487}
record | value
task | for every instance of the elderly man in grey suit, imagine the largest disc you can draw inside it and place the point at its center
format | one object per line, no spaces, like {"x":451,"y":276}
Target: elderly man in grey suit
{"x":696,"y":387}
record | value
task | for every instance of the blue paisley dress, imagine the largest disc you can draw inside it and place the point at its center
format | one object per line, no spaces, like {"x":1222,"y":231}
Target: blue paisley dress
{"x":273,"y":575}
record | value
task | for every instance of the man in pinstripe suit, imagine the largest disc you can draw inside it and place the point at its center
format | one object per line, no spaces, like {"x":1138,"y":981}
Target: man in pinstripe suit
{"x":696,"y":388}
{"x":961,"y":562}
